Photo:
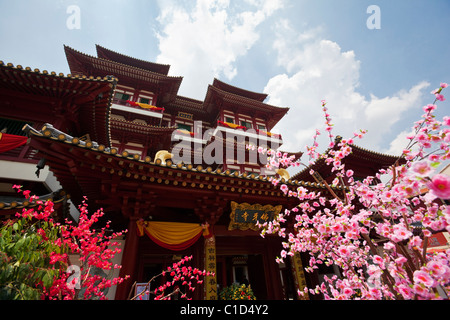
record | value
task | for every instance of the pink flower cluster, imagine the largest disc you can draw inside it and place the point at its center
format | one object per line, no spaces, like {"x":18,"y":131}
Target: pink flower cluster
{"x":376,"y":233}
{"x":437,"y":92}
{"x":329,"y":125}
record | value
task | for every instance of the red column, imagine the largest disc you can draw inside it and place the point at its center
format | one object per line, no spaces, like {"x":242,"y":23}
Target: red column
{"x":129,"y":261}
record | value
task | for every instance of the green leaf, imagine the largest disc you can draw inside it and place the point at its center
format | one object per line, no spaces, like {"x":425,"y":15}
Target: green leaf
{"x":434,"y":165}
{"x":15,"y":226}
{"x":47,"y":280}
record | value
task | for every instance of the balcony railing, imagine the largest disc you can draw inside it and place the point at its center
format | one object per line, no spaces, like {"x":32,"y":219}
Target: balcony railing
{"x":260,"y":134}
{"x":135,"y":107}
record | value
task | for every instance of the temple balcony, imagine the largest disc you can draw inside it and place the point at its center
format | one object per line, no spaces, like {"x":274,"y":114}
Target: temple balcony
{"x":133,"y":107}
{"x":258,"y":137}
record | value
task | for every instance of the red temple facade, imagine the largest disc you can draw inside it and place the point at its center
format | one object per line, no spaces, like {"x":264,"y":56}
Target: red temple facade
{"x":160,"y":165}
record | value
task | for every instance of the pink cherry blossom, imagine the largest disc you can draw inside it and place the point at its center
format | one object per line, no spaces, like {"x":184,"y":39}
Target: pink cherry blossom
{"x":421,"y":168}
{"x":440,"y":186}
{"x":406,"y":291}
{"x":429,"y":108}
{"x":377,"y":259}
{"x":447,"y":121}
{"x":345,"y":251}
{"x":437,"y":268}
{"x":423,"y":277}
{"x":340,"y":230}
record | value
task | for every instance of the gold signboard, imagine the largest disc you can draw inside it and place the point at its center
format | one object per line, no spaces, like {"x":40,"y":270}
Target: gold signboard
{"x":244,"y":216}
{"x":184,"y":115}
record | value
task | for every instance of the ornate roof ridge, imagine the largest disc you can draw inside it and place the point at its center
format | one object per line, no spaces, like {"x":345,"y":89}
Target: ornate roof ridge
{"x":51,"y":133}
{"x":59,"y":75}
{"x":239,"y":91}
{"x":384,"y":155}
{"x":246,"y":99}
{"x":189,"y":99}
{"x":158,"y":65}
{"x":143,"y":126}
{"x":66,"y":47}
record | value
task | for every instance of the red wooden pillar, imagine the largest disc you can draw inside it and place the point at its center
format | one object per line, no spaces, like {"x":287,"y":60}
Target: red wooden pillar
{"x":129,"y":260}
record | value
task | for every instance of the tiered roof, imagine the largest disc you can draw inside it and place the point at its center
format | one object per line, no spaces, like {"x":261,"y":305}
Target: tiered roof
{"x":154,"y":77}
{"x":108,"y":54}
{"x":82,"y":102}
{"x":238,"y":91}
{"x":129,"y":75}
{"x":227,"y":96}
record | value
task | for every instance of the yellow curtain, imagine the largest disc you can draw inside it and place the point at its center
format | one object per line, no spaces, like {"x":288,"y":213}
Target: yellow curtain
{"x":172,"y":235}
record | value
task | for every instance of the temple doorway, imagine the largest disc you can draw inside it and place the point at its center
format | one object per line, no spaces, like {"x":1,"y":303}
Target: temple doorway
{"x":242,"y":269}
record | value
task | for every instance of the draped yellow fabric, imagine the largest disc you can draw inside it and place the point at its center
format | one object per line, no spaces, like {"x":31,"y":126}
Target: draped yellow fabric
{"x":146,"y":106}
{"x":232,"y":125}
{"x":172,"y":235}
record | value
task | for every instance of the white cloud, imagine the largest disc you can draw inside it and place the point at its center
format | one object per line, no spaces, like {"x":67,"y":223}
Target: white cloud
{"x":205,"y":41}
{"x":318,"y":69}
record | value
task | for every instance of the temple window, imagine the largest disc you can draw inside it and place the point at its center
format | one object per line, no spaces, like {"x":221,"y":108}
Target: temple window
{"x":229,"y":119}
{"x":261,"y":127}
{"x":246,"y":124}
{"x":122,"y":96}
{"x":144,"y":100}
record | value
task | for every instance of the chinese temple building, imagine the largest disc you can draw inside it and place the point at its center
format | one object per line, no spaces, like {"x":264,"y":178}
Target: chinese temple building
{"x":174,"y":171}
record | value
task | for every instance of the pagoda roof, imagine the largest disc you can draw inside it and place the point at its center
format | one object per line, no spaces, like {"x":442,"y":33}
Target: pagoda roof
{"x":149,"y":135}
{"x":166,"y":86}
{"x":136,"y":127}
{"x":189,"y":105}
{"x":238,"y":91}
{"x":216,"y":96}
{"x":89,"y":169}
{"x":41,"y":96}
{"x":108,"y":54}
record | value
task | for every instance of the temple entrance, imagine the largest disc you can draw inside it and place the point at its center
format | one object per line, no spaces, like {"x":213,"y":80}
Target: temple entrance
{"x":242,"y":269}
{"x":252,"y":259}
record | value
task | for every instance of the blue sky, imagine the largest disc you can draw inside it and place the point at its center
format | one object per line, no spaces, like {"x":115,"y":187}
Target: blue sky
{"x":297,"y":51}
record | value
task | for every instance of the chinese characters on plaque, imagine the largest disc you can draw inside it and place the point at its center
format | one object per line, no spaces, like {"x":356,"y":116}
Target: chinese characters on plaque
{"x":244,"y":216}
{"x":210,"y":266}
{"x":299,"y":275}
